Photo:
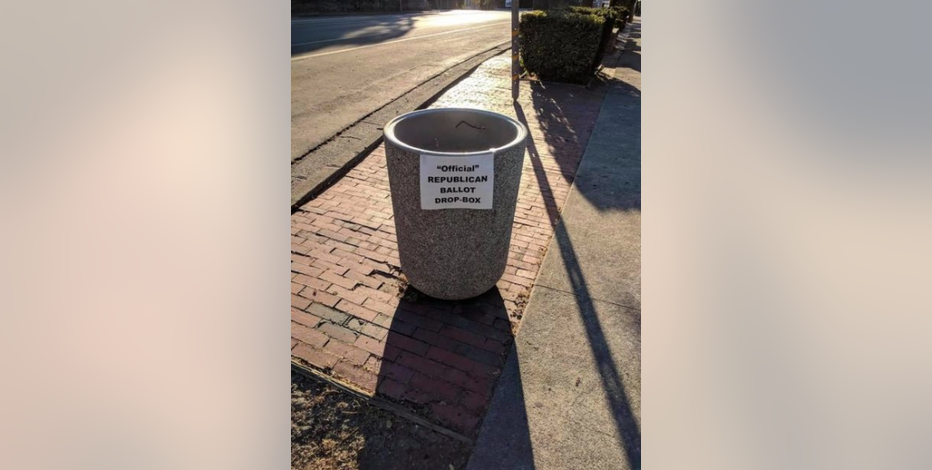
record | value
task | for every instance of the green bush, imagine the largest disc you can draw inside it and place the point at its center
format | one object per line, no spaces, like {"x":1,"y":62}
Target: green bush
{"x":603,"y":12}
{"x":614,"y":13}
{"x":560,"y":45}
{"x":622,"y":15}
{"x":614,"y":17}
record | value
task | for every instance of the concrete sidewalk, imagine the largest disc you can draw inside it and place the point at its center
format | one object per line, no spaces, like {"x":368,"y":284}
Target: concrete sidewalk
{"x":569,"y":395}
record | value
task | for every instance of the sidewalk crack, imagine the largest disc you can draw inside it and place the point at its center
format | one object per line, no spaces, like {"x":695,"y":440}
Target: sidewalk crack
{"x":627,"y":307}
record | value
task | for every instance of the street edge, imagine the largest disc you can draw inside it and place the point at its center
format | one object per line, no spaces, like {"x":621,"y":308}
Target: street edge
{"x":309,"y":189}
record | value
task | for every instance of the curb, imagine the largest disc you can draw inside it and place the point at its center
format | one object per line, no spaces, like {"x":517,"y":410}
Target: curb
{"x":378,"y":402}
{"x":348,"y":147}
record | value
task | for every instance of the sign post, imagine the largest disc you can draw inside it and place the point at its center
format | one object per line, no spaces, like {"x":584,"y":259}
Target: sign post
{"x":514,"y":50}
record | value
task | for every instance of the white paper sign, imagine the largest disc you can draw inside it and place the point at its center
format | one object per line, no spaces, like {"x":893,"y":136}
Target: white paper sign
{"x":457,"y":182}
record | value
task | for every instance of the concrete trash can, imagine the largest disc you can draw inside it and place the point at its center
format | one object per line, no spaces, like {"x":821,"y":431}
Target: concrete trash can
{"x":454,"y":175}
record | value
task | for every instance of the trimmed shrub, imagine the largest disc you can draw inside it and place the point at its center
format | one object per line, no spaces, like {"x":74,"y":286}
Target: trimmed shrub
{"x":615,"y":16}
{"x":616,"y":13}
{"x":560,"y":45}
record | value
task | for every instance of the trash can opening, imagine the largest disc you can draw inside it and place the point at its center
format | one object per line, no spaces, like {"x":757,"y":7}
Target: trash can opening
{"x":454,"y":131}
{"x":454,"y":175}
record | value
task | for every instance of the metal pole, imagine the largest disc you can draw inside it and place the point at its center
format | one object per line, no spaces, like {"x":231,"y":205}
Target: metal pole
{"x":514,"y":50}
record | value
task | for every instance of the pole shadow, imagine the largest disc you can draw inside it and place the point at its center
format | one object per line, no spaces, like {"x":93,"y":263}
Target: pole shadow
{"x":556,"y":119}
{"x":618,"y":402}
{"x":567,"y":121}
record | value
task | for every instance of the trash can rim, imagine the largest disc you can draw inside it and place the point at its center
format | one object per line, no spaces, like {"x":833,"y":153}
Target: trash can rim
{"x":389,"y":133}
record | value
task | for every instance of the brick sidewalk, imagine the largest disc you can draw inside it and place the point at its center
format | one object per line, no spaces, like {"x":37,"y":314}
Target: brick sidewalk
{"x":354,"y":317}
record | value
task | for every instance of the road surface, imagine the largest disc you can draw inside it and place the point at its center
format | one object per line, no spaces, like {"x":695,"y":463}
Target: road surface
{"x":343,"y":68}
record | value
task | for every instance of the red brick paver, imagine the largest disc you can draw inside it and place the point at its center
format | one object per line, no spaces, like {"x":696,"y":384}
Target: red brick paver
{"x":352,"y":314}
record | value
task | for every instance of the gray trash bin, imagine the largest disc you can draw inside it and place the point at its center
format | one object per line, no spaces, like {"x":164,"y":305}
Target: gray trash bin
{"x":454,"y":175}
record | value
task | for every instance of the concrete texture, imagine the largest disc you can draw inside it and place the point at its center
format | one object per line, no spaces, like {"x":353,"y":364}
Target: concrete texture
{"x":454,"y":254}
{"x":608,"y":189}
{"x":569,"y":397}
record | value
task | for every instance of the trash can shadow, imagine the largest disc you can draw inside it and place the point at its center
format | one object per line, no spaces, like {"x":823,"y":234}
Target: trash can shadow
{"x":442,"y":358}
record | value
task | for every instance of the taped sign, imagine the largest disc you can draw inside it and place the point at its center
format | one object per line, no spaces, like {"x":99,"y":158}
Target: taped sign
{"x":457,"y":182}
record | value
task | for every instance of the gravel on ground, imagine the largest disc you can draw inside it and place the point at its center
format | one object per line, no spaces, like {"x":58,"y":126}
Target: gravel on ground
{"x":333,"y":429}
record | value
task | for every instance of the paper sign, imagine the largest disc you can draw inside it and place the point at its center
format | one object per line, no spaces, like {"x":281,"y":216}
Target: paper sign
{"x":457,"y":182}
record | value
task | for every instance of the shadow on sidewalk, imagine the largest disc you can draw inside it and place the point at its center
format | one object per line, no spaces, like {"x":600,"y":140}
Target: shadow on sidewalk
{"x":618,"y":402}
{"x":630,"y":59}
{"x":511,"y":448}
{"x":433,"y":364}
{"x":431,"y":367}
{"x":634,"y":32}
{"x":567,"y":131}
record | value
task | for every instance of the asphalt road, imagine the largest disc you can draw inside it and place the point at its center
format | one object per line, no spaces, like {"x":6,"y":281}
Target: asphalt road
{"x":343,"y":68}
